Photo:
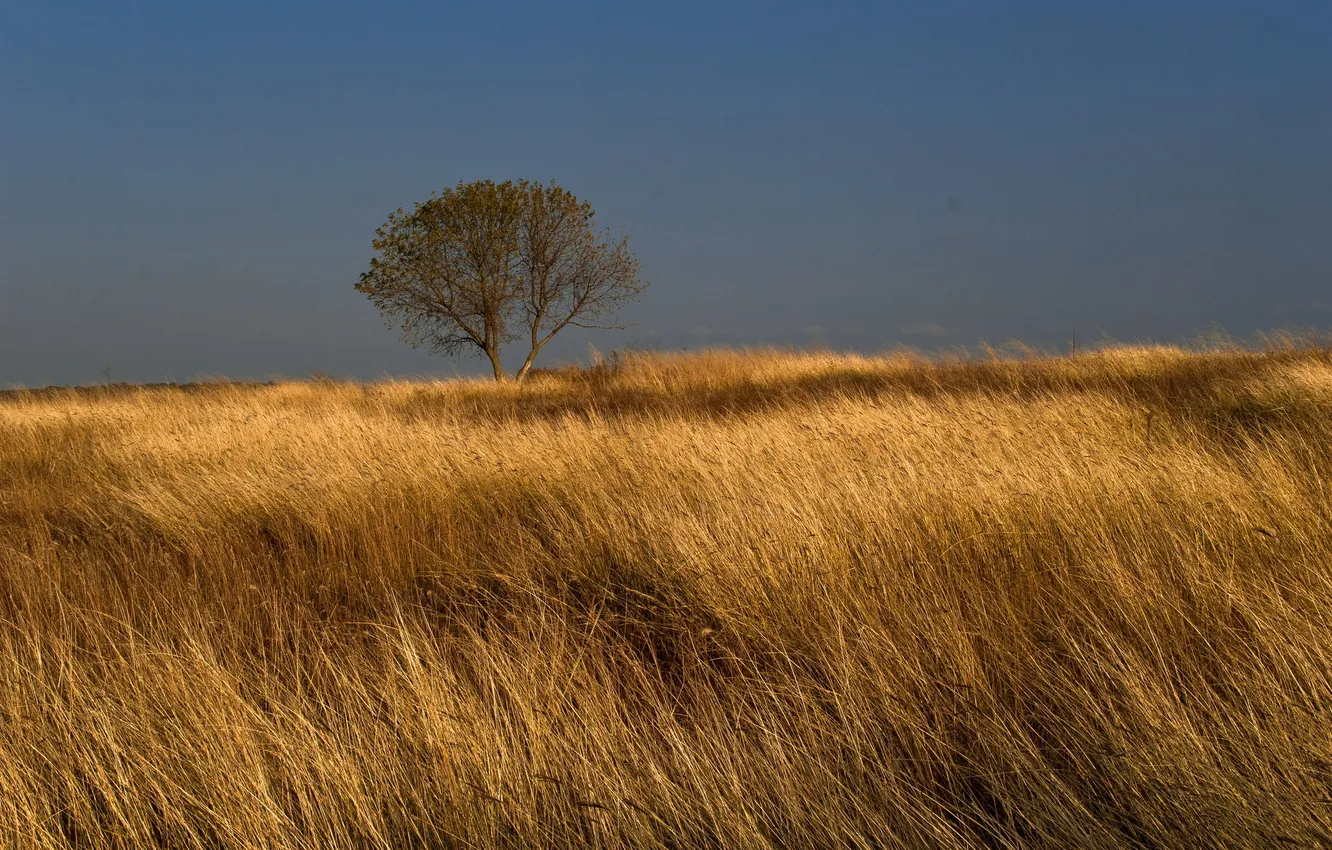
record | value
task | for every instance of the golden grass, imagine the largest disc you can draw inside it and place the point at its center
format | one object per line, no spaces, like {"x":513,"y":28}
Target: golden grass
{"x":724,"y":599}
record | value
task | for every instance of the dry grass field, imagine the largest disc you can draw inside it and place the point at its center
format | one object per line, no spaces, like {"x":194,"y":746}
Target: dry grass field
{"x":722,"y":599}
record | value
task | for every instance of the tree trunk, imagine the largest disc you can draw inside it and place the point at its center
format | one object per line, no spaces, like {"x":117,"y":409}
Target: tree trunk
{"x":496,"y":365}
{"x":527,"y":364}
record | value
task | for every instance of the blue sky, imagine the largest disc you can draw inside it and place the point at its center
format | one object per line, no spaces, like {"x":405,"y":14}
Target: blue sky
{"x":191,"y":189}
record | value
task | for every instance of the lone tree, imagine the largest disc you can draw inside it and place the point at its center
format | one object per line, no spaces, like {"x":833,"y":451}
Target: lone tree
{"x":485,"y":263}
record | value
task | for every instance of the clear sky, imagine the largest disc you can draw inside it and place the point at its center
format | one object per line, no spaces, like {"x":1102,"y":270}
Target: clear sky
{"x":191,"y":189}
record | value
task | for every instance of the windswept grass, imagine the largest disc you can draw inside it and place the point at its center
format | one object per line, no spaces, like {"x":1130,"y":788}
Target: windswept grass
{"x":724,"y":599}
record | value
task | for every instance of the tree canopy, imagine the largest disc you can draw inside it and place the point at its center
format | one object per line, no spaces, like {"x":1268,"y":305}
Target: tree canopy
{"x":484,"y":264}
